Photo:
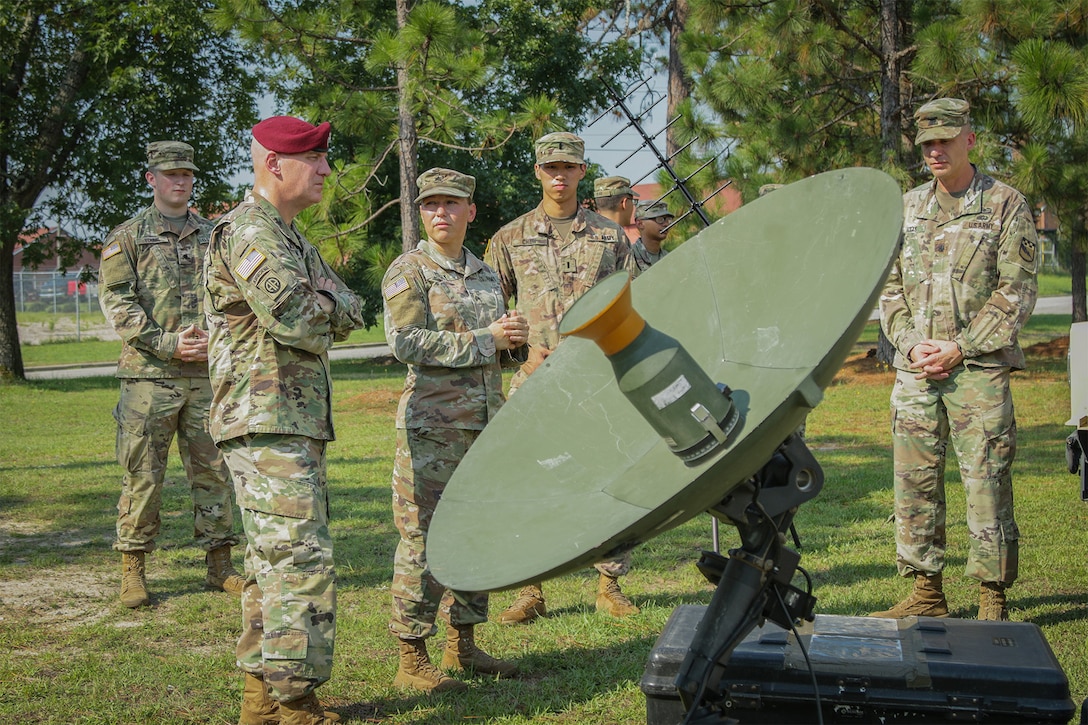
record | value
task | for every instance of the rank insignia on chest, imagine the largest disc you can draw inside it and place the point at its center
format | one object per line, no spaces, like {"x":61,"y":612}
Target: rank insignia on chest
{"x":249,"y":265}
{"x":569,"y":266}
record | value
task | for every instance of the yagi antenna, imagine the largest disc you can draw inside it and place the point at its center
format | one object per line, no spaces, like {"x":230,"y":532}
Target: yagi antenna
{"x":634,"y":120}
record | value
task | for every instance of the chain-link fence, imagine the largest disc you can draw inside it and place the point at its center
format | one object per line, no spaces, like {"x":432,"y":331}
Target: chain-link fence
{"x":52,"y":306}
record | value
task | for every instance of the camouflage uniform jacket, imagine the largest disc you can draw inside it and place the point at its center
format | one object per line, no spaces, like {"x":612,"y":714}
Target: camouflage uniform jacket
{"x":151,"y":288}
{"x":436,"y":317}
{"x":968,"y":276}
{"x":546,"y":274}
{"x":643,"y":258}
{"x":268,"y":335}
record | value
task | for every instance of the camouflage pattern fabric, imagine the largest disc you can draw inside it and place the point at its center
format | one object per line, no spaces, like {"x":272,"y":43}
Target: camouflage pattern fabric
{"x":425,"y":461}
{"x":289,"y":602}
{"x":436,"y":316}
{"x":268,"y":335}
{"x":150,"y":289}
{"x":642,"y":256}
{"x":615,"y":567}
{"x":437,"y":311}
{"x":973,"y":408}
{"x":968,"y":276}
{"x":546,"y":273}
{"x":148,"y":414}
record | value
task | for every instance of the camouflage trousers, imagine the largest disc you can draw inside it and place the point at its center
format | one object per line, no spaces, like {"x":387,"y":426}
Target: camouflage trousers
{"x":148,"y":414}
{"x":973,"y":409}
{"x":425,"y":461}
{"x":289,"y":602}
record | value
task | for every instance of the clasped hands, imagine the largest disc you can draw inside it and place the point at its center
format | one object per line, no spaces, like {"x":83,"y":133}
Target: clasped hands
{"x":510,"y":331}
{"x":192,"y":345}
{"x":935,"y":359}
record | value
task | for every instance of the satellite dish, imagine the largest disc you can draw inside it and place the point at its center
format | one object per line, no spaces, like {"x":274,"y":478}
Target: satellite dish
{"x":768,"y":301}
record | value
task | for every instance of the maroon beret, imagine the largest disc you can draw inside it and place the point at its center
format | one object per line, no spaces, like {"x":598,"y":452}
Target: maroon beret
{"x":290,"y":135}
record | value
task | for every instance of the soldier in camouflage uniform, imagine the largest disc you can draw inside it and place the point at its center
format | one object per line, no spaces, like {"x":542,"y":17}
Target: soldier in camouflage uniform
{"x":615,"y":200}
{"x":546,"y":260}
{"x":274,"y":309}
{"x":445,"y":316}
{"x":150,"y":284}
{"x":652,"y":220}
{"x":960,"y":290}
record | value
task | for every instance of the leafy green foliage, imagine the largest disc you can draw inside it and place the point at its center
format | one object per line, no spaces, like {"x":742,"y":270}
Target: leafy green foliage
{"x":84,"y":86}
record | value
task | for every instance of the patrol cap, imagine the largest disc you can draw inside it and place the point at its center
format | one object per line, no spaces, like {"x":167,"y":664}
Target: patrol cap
{"x":653,"y":210}
{"x":941,"y":118}
{"x":768,"y":188}
{"x":560,"y":146}
{"x":290,"y":135}
{"x":433,"y":182}
{"x":613,"y":186}
{"x":168,"y":155}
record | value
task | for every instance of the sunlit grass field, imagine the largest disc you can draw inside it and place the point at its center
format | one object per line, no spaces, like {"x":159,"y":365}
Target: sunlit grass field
{"x":73,"y":654}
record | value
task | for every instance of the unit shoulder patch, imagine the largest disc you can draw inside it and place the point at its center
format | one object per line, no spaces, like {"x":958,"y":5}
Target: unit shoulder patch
{"x":1027,"y":250}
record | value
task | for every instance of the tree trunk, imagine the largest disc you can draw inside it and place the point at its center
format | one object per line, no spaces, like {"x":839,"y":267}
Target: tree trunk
{"x":890,"y":43}
{"x":890,"y":110}
{"x":11,"y":355}
{"x":1079,"y":240}
{"x":408,"y":142}
{"x":679,"y":84}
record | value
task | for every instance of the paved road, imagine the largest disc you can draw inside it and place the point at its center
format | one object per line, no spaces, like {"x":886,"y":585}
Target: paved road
{"x":56,"y":372}
{"x":1045,"y":306}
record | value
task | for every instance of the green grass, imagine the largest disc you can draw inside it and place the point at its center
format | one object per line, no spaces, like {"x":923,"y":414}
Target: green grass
{"x":73,"y":654}
{"x":1055,"y":285}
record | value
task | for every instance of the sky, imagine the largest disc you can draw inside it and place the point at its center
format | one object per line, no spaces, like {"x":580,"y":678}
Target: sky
{"x":609,"y":154}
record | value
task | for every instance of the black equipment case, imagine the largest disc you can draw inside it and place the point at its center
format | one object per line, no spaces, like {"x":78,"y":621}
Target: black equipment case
{"x":872,"y":670}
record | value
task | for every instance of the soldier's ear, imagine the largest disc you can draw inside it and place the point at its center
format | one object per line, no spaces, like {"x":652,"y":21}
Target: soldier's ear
{"x":272,"y":162}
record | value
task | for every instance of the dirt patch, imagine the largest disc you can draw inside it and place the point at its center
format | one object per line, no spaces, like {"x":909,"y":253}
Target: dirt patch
{"x":1058,"y":347}
{"x":371,"y":401}
{"x":68,"y":596}
{"x":863,"y":367}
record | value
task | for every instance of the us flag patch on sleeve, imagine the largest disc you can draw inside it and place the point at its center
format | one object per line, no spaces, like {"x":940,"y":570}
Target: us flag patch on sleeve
{"x":111,"y":250}
{"x":395,"y":287}
{"x":249,"y":265}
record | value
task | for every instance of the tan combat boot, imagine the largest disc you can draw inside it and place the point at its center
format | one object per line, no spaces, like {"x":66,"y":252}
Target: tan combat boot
{"x":133,"y":579}
{"x":221,"y":575}
{"x":992,"y":604}
{"x":528,"y":606}
{"x":258,"y":708}
{"x":927,"y":600}
{"x":306,"y":711}
{"x":417,"y":672}
{"x":611,"y":600}
{"x":463,"y":654}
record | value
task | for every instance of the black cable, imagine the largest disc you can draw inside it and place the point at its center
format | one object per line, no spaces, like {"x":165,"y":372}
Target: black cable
{"x":804,"y":651}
